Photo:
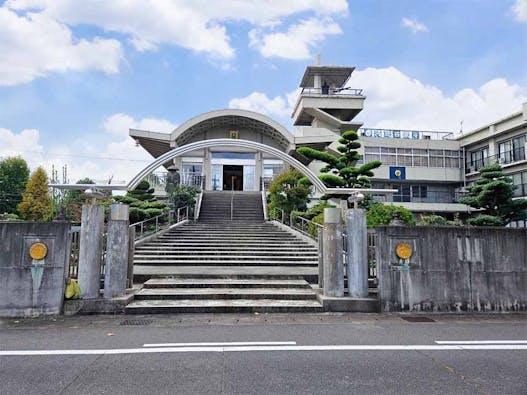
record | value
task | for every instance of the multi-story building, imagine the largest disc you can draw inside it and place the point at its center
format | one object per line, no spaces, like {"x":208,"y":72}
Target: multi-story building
{"x":429,"y":169}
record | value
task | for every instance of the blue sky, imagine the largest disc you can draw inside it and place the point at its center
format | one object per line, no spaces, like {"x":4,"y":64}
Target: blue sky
{"x":74,"y":76}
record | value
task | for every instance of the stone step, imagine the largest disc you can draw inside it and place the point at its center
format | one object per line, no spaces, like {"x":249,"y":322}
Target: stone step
{"x":187,"y":248}
{"x":225,"y":293}
{"x":225,"y":283}
{"x":143,"y":273}
{"x":222,"y":306}
{"x":225,"y":262}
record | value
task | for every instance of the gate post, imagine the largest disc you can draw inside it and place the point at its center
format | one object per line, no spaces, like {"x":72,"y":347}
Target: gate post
{"x":357,"y":257}
{"x":332,"y":253}
{"x":320,"y":236}
{"x":117,"y":248}
{"x":90,"y":250}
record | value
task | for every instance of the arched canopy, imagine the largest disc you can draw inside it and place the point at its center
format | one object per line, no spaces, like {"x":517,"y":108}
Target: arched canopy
{"x":319,"y":185}
{"x":233,"y":118}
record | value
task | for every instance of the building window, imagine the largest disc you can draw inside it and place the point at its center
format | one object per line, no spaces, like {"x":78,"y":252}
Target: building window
{"x":478,"y":159}
{"x":520,"y":182}
{"x":419,"y":191}
{"x":512,"y":150}
{"x":413,"y":157}
{"x":402,"y":194}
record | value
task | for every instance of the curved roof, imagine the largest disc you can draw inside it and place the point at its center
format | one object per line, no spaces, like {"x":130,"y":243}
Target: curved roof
{"x":184,"y":133}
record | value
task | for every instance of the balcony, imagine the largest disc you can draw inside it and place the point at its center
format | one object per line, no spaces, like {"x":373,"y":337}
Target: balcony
{"x":325,"y":91}
{"x":503,"y":158}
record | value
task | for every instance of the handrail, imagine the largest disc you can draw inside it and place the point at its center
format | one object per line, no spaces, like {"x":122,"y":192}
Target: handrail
{"x":264,"y":200}
{"x":180,"y":214}
{"x":305,"y":223}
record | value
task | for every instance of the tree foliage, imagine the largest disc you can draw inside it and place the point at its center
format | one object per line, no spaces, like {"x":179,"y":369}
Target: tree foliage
{"x":341,"y":170}
{"x":183,"y":195}
{"x":14,"y":175}
{"x":143,"y":204}
{"x":493,"y":194}
{"x":382,"y":214}
{"x":287,"y":193}
{"x":36,"y":202}
{"x":74,"y":200}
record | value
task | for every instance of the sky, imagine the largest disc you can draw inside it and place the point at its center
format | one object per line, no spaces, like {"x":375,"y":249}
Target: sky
{"x":76,"y":75}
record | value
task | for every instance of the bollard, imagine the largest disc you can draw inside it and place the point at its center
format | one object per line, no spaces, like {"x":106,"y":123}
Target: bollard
{"x":90,"y":250}
{"x":117,"y":248}
{"x":357,"y":257}
{"x":332,"y":253}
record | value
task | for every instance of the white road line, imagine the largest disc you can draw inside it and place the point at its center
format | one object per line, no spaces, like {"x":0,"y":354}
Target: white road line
{"x":481,"y":342}
{"x":417,"y":347}
{"x":218,"y":344}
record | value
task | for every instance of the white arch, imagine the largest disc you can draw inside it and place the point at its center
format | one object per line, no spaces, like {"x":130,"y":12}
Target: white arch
{"x":181,"y":129}
{"x":317,"y":183}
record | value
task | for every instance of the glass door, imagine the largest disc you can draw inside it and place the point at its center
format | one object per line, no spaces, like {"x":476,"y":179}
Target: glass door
{"x":216,"y":181}
{"x":248,"y":178}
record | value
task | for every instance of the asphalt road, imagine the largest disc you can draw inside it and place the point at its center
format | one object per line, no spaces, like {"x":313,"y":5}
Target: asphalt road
{"x":264,"y":354}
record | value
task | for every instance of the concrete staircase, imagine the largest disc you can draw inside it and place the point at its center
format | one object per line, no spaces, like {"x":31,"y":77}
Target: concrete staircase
{"x":224,"y":265}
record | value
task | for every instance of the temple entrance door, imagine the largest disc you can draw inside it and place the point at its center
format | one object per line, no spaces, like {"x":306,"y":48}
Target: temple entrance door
{"x":232,"y":178}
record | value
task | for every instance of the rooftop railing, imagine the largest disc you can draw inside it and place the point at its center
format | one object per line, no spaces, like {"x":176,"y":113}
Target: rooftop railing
{"x":406,"y":134}
{"x":332,"y":91}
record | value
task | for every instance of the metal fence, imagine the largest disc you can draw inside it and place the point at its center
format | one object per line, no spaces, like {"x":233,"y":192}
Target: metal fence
{"x":73,"y":265}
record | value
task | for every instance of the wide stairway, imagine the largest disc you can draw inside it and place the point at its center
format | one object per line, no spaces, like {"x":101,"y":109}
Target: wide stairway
{"x":226,"y":262}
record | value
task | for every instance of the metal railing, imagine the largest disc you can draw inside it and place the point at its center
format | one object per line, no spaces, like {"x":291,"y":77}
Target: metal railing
{"x":503,"y":158}
{"x":304,"y":225}
{"x":332,"y":91}
{"x":155,"y":224}
{"x":73,"y":264}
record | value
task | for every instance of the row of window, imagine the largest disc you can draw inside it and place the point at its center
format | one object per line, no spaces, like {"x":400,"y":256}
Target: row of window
{"x":509,"y":151}
{"x":413,"y":156}
{"x":520,"y":181}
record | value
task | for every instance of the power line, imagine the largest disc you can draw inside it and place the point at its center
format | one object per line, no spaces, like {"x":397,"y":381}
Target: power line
{"x":84,"y":156}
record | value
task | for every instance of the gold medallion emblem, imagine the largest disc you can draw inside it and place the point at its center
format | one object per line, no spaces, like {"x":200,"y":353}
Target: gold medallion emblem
{"x":403,"y":250}
{"x":38,"y":251}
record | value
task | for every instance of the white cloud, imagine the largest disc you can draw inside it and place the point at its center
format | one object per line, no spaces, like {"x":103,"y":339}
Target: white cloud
{"x":414,"y":25}
{"x":118,"y":124}
{"x":279,"y":107}
{"x":395,"y":100}
{"x":520,"y":10}
{"x":119,"y":159}
{"x":11,"y":143}
{"x":198,"y":25}
{"x":35,"y":44}
{"x":297,"y":42}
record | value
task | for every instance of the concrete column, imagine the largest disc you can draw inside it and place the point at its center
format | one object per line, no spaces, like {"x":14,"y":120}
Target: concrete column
{"x":258,"y":173}
{"x":117,"y":247}
{"x":90,"y":250}
{"x":357,"y":257}
{"x":332,"y":253}
{"x":207,"y":169}
{"x":320,"y":258}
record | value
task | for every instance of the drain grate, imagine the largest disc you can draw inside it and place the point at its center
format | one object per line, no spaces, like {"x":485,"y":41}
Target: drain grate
{"x":418,"y":319}
{"x":136,"y":322}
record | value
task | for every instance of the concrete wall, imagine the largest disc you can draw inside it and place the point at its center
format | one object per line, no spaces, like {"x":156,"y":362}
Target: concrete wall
{"x":453,"y":269}
{"x":24,"y":289}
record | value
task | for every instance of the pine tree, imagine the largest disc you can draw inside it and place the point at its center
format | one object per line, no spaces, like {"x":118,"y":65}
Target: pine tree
{"x":493,"y":193}
{"x":341,"y":170}
{"x":36,"y":202}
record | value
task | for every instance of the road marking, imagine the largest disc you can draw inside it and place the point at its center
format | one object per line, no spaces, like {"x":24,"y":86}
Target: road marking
{"x":219,"y":344}
{"x":416,"y":347}
{"x":481,"y":342}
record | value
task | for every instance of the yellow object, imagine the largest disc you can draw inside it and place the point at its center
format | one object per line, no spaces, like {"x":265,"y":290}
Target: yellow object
{"x":72,"y":290}
{"x":38,"y":251}
{"x":403,"y":250}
